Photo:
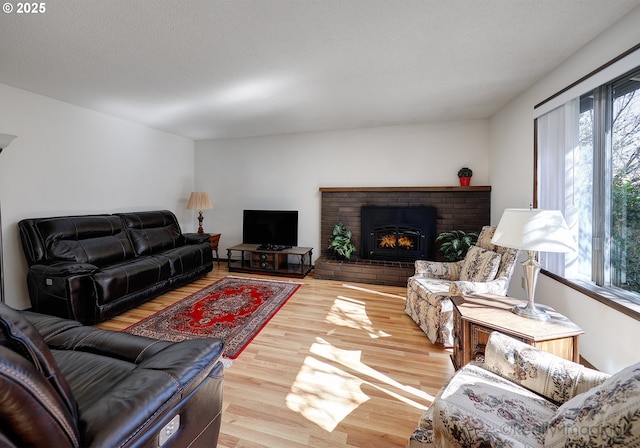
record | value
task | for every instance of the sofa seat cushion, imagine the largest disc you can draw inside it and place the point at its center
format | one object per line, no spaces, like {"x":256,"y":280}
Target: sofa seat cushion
{"x":606,"y":415}
{"x":479,"y":408}
{"x":185,"y":259}
{"x":480,"y":265}
{"x":118,"y":280}
{"x":118,"y":398}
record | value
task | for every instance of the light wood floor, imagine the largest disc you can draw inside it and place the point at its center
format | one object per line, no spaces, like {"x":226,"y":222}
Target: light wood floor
{"x":340,"y":365}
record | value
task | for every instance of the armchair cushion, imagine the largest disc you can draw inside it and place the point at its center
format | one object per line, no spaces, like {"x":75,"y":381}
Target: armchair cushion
{"x":553,"y":377}
{"x":480,"y":265}
{"x":606,"y":415}
{"x":479,"y":408}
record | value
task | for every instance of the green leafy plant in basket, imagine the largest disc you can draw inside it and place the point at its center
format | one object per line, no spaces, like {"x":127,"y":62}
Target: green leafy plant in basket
{"x":340,"y":241}
{"x":455,"y":244}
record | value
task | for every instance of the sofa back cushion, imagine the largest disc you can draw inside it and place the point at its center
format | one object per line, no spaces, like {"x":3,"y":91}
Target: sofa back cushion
{"x":152,"y":232}
{"x":93,"y":239}
{"x":21,"y":337}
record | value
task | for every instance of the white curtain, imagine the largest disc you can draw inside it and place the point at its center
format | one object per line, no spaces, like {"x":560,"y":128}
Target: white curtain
{"x":557,"y":146}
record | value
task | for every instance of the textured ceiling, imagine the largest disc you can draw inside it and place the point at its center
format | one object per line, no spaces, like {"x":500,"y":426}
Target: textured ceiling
{"x":219,"y":69}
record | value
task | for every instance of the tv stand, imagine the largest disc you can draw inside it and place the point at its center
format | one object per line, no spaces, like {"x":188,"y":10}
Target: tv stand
{"x":275,"y":247}
{"x":254,"y":258}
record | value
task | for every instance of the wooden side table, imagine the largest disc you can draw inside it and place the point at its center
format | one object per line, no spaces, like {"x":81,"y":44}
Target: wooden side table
{"x":476,"y":316}
{"x":214,"y":240}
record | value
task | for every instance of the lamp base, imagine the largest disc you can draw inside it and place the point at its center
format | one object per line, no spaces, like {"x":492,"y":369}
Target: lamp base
{"x":531,"y":312}
{"x":531,"y":270}
{"x":200,"y":219}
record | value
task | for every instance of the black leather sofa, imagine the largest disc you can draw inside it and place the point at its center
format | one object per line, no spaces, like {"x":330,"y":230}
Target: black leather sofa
{"x":90,"y":268}
{"x":63,"y":384}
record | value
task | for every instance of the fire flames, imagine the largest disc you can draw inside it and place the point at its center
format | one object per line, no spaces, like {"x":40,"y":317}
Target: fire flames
{"x":390,"y":242}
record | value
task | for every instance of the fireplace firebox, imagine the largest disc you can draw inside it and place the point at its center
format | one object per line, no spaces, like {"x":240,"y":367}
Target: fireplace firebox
{"x":398,"y":233}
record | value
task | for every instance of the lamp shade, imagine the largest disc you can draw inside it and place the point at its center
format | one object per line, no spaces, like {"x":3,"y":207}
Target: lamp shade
{"x":534,"y":229}
{"x":5,"y":139}
{"x":199,"y":200}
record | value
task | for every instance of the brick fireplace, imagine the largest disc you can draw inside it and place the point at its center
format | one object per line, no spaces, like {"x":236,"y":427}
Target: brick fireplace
{"x":457,"y":208}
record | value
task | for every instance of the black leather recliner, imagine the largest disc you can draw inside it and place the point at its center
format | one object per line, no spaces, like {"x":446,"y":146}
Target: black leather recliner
{"x":67,"y":385}
{"x":92,"y":267}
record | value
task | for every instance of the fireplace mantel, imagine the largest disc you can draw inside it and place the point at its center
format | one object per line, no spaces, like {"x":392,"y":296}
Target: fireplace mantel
{"x":400,"y":189}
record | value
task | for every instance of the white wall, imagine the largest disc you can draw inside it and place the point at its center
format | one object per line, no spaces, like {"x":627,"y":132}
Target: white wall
{"x":607,"y":342}
{"x":70,"y":160}
{"x":286,"y":171}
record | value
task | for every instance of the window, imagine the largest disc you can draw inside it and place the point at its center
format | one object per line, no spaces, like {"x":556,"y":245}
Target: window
{"x":589,"y":167}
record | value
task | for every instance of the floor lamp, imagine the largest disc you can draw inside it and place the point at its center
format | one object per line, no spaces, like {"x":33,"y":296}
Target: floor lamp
{"x":533,"y":230}
{"x":5,"y":139}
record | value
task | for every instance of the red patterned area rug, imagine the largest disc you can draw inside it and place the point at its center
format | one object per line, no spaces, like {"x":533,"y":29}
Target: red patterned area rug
{"x":233,"y":309}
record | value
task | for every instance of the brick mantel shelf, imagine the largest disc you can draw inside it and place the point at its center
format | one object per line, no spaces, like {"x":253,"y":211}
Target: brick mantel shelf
{"x":464,"y":208}
{"x":392,"y":189}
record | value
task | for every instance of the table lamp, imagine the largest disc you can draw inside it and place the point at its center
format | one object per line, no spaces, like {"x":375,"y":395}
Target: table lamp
{"x":199,"y":200}
{"x":533,"y":230}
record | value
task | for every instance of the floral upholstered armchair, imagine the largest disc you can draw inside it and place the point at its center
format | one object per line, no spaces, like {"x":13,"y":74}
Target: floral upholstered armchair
{"x":521,"y":396}
{"x":486,"y":269}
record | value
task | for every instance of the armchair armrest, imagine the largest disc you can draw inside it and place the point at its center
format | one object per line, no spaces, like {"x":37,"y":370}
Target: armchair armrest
{"x":548,"y":375}
{"x":438,"y":269}
{"x":498,"y":286}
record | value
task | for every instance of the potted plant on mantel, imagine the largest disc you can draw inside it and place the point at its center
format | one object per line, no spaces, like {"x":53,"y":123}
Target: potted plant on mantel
{"x":464,"y":174}
{"x":340,"y":242}
{"x":456,"y":243}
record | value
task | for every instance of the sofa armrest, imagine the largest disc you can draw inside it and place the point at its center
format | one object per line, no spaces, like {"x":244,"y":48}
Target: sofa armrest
{"x":64,"y":289}
{"x":544,"y":373}
{"x":497,"y":286}
{"x":196,"y":238}
{"x":155,"y":391}
{"x":63,"y":269}
{"x":438,"y":269}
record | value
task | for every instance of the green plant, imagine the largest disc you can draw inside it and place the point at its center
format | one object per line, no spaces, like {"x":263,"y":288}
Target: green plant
{"x":455,"y":244}
{"x":465,"y":172}
{"x":340,"y":241}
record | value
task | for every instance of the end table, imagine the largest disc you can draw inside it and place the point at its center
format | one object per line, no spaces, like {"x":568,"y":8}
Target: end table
{"x":214,"y":240}
{"x":476,"y":316}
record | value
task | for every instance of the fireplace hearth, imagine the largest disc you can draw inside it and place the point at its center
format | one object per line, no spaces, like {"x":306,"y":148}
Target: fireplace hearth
{"x":398,"y":233}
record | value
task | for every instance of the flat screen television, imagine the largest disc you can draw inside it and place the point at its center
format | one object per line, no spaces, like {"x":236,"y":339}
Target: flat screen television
{"x":270,"y":227}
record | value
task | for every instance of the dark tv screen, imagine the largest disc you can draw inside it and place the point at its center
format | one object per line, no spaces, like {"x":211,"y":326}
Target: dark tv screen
{"x":279,"y":227}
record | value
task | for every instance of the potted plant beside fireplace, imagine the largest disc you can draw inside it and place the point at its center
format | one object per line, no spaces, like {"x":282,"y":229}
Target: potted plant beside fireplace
{"x":455,"y":244}
{"x":340,"y":242}
{"x":464,"y":174}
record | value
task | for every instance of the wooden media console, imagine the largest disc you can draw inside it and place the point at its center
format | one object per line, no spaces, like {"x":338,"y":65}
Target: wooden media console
{"x":254,"y":259}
